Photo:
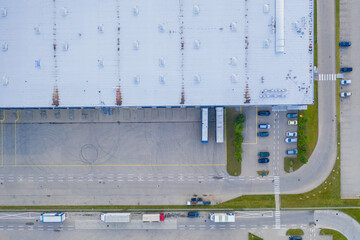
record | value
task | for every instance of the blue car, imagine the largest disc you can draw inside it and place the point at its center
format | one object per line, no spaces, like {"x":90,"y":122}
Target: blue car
{"x":295,"y":238}
{"x":263,"y":134}
{"x":264,"y":113}
{"x":292,"y":115}
{"x":263,"y":160}
{"x":344,"y":44}
{"x":346,"y":69}
{"x":193,"y":214}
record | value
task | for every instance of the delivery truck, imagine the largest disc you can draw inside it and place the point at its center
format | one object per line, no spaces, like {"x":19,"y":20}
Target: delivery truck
{"x":222,"y":217}
{"x":115,"y":217}
{"x":155,"y":217}
{"x":52,"y":217}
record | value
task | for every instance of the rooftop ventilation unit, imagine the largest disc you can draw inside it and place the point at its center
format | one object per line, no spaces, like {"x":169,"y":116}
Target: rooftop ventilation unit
{"x":5,"y":80}
{"x":234,"y":78}
{"x":136,"y":79}
{"x":196,"y":10}
{"x":65,"y":47}
{"x":266,"y":43}
{"x":136,"y":11}
{"x":65,"y":12}
{"x":266,"y":8}
{"x":161,"y":28}
{"x":37,"y":63}
{"x":136,"y":45}
{"x":233,"y":61}
{"x":162,"y":79}
{"x":233,"y":26}
{"x":4,"y":47}
{"x":196,"y":44}
{"x":3,"y":12}
{"x":197,"y":78}
{"x":100,"y":63}
{"x":37,"y":29}
{"x":101,"y":28}
{"x":161,"y":62}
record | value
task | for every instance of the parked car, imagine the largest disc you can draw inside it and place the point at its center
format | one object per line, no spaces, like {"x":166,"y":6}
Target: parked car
{"x":292,"y":152}
{"x":344,"y":44}
{"x":263,"y":160}
{"x":292,"y":115}
{"x":264,"y":126}
{"x":193,"y":201}
{"x":291,"y":140}
{"x":264,"y":113}
{"x":193,"y":214}
{"x":199,"y":201}
{"x":263,"y":154}
{"x":346,"y":69}
{"x":263,"y":134}
{"x":345,"y":94}
{"x":292,"y":122}
{"x":345,"y":82}
{"x":291,"y":134}
{"x":295,"y":238}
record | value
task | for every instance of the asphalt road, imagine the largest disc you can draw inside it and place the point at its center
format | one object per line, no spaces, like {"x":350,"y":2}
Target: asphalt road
{"x":176,"y":225}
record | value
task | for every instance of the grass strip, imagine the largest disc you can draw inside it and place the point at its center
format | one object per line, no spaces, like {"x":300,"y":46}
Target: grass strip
{"x":336,"y":235}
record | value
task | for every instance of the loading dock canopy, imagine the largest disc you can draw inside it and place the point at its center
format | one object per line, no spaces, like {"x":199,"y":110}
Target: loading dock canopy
{"x":91,"y":53}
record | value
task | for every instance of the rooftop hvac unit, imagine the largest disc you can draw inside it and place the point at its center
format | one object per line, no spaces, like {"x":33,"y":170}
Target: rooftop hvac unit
{"x":266,"y":8}
{"x":37,"y":63}
{"x":136,"y":11}
{"x":65,"y":46}
{"x":234,"y":78}
{"x":100,"y":63}
{"x":162,"y":62}
{"x":65,"y":12}
{"x":196,"y":9}
{"x":233,"y":61}
{"x":266,"y":43}
{"x":136,"y":45}
{"x":5,"y":80}
{"x":161,"y":28}
{"x":101,"y":28}
{"x":197,"y":78}
{"x":136,"y":79}
{"x":4,"y":47}
{"x":233,"y":26}
{"x":196,"y":44}
{"x":162,"y":79}
{"x":37,"y":29}
{"x":3,"y":12}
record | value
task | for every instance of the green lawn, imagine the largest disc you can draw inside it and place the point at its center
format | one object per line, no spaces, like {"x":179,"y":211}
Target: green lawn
{"x":336,"y":235}
{"x":254,"y":237}
{"x":296,"y":163}
{"x":354,"y":213}
{"x":232,"y":165}
{"x":295,"y":232}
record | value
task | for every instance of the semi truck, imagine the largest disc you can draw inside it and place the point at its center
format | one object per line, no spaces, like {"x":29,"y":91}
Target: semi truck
{"x":52,"y":217}
{"x":155,"y":217}
{"x":222,"y":217}
{"x":115,"y":217}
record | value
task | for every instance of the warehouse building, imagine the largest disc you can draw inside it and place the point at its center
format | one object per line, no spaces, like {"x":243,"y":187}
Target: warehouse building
{"x":151,"y":53}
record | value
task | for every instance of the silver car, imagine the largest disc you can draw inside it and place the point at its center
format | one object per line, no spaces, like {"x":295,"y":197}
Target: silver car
{"x":291,"y":134}
{"x":291,"y":140}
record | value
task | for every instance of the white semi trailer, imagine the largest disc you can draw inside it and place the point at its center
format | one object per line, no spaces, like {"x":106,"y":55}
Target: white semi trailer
{"x":52,"y":217}
{"x":222,"y":217}
{"x":115,"y":217}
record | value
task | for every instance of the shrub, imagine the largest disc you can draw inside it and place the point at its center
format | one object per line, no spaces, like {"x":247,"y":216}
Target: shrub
{"x":291,"y":163}
{"x":238,"y":127}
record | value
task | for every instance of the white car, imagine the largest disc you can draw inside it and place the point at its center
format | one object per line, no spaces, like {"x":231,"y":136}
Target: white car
{"x":292,"y":122}
{"x":291,"y":134}
{"x":345,"y":94}
{"x":345,"y":82}
{"x":290,"y":140}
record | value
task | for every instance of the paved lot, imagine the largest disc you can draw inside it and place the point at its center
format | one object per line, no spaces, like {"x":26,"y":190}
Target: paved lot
{"x":350,"y":108}
{"x":274,"y":143}
{"x":176,"y":225}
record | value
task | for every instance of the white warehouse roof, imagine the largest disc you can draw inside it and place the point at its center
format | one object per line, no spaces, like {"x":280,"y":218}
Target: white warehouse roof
{"x":155,"y":53}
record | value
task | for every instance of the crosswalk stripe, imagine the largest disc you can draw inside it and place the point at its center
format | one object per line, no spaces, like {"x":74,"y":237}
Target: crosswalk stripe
{"x":327,"y":77}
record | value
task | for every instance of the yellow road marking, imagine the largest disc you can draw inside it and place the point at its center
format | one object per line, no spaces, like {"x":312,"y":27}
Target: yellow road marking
{"x":15,"y":133}
{"x":2,"y":140}
{"x":123,"y":165}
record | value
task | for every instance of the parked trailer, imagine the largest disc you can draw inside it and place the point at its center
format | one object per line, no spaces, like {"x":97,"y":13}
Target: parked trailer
{"x":52,"y":217}
{"x":115,"y":217}
{"x":204,"y":125}
{"x":157,"y":217}
{"x":222,"y":217}
{"x":219,"y":124}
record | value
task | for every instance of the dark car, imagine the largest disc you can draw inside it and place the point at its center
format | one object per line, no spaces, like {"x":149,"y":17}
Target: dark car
{"x":264,"y":113}
{"x":295,"y":238}
{"x":263,"y":160}
{"x":344,"y":44}
{"x":263,"y":134}
{"x":193,"y":214}
{"x":292,"y":115}
{"x":292,"y":152}
{"x":263,"y":154}
{"x":193,"y":201}
{"x":346,"y":69}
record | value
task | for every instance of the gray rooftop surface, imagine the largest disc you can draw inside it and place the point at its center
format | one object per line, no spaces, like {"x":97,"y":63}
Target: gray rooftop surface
{"x":155,"y":53}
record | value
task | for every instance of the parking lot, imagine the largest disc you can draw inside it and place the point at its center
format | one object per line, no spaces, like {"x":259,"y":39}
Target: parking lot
{"x":349,"y":107}
{"x":274,"y":143}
